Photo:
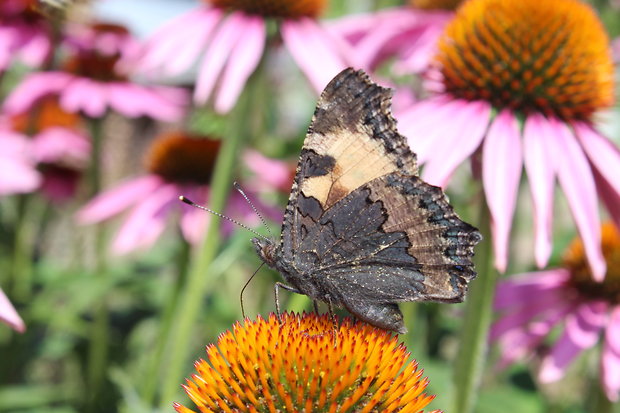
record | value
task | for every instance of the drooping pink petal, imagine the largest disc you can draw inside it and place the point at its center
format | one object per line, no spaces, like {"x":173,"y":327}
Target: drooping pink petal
{"x":308,"y":44}
{"x":58,"y":144}
{"x":427,"y":122}
{"x":194,"y":221}
{"x":224,"y":40}
{"x":18,"y":173}
{"x":133,"y":100}
{"x":147,"y":220}
{"x":270,"y":173}
{"x":176,"y":46}
{"x":8,"y":314}
{"x":502,"y":161}
{"x":519,"y":342}
{"x":609,"y":196}
{"x":575,"y":177}
{"x":114,"y":201}
{"x":468,"y":131}
{"x":242,"y":62}
{"x":85,"y":95}
{"x":581,"y":332}
{"x":535,"y":306}
{"x":610,"y":358}
{"x":513,"y":291}
{"x":421,"y":52}
{"x":540,"y":165}
{"x":33,"y":87}
{"x":602,"y":153}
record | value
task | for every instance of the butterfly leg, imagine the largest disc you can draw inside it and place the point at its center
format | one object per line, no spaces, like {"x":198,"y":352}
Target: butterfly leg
{"x":316,"y":306}
{"x":276,"y":289}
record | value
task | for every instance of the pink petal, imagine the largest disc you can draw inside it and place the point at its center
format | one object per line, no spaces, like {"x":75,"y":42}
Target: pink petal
{"x":576,"y":179}
{"x":58,"y":144}
{"x":602,"y":154}
{"x":609,"y":196}
{"x":502,"y":161}
{"x":243,"y":60}
{"x":147,"y":220}
{"x":469,"y":130}
{"x":177,"y":44}
{"x":194,"y":221}
{"x":85,"y":95}
{"x":582,"y":331}
{"x":513,"y":291}
{"x":18,"y":173}
{"x":308,"y":44}
{"x":224,"y":41}
{"x":191,"y":42}
{"x":427,"y":122}
{"x":520,"y":342}
{"x":270,"y":173}
{"x":539,"y":165}
{"x":33,"y":87}
{"x":113,"y":201}
{"x":8,"y":314}
{"x":135,"y":100}
{"x":610,"y":358}
{"x":534,"y":306}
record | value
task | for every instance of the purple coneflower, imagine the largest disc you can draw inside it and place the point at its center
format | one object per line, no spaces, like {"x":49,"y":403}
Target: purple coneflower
{"x":533,"y":304}
{"x":178,"y":163}
{"x":518,"y":82}
{"x":230,"y":35}
{"x":92,"y":83}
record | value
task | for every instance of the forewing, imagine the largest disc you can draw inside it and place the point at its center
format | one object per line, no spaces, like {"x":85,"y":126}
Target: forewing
{"x":352,"y":140}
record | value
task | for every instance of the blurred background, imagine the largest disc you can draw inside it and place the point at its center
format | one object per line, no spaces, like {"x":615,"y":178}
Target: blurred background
{"x":111,"y":109}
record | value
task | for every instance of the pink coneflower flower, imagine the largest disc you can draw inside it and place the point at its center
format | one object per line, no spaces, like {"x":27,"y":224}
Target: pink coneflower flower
{"x":407,"y":33}
{"x":53,"y":147}
{"x":177,"y":164}
{"x":519,"y":82}
{"x":533,"y":304}
{"x":92,"y":84}
{"x":8,"y":315}
{"x":231,"y":35}
{"x":24,"y":34}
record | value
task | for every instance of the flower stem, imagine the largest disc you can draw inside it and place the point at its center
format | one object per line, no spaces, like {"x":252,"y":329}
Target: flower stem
{"x":167,"y":317}
{"x":474,"y":335}
{"x":98,"y":349}
{"x":22,"y":250}
{"x":199,"y":279}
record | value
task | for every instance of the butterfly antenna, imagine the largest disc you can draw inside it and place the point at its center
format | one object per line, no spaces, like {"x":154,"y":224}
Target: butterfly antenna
{"x":247,"y":199}
{"x":245,"y":285}
{"x":234,"y":221}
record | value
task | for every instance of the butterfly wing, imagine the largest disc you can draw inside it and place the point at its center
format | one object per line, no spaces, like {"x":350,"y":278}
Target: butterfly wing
{"x":361,"y":228}
{"x":352,"y":139}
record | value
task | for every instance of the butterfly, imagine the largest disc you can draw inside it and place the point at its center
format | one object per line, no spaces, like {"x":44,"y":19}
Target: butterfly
{"x":361,"y":229}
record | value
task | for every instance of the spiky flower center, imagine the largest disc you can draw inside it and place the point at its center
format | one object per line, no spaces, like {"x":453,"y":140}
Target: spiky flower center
{"x":305,"y":364}
{"x":283,"y":9}
{"x":529,"y":55}
{"x":581,"y":276}
{"x":183,"y":158}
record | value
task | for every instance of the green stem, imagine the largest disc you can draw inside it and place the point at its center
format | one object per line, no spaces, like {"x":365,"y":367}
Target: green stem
{"x":474,"y":335}
{"x":154,"y":369}
{"x":99,"y":337}
{"x":199,"y":277}
{"x":598,"y":399}
{"x":22,"y":251}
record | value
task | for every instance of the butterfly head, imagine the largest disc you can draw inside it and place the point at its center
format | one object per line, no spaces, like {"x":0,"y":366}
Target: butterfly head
{"x":266,"y":250}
